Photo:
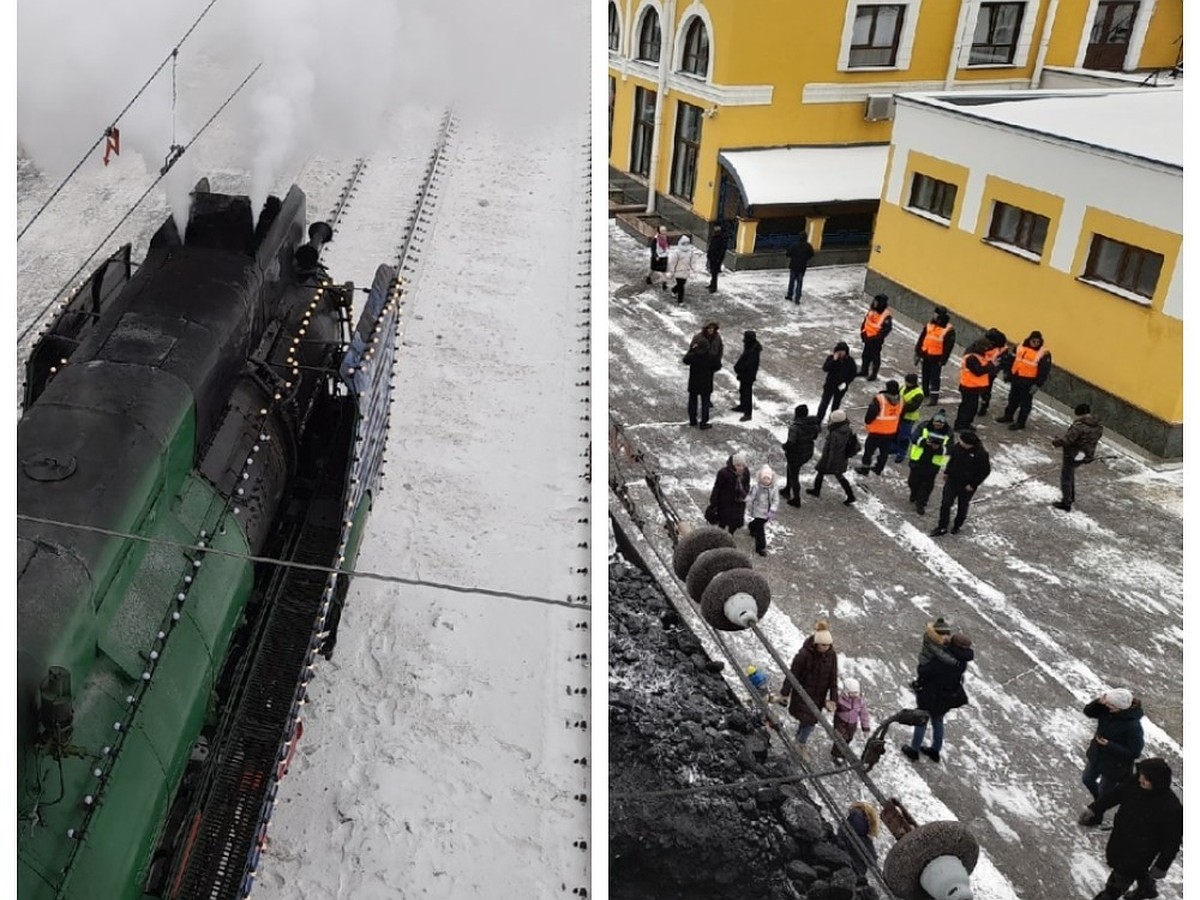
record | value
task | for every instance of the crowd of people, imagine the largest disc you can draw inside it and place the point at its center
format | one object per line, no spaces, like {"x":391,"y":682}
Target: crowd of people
{"x":905,"y":423}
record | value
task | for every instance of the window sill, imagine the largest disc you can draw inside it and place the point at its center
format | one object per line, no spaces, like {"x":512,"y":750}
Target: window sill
{"x":1014,"y":250}
{"x":850,"y":68}
{"x":924,"y":214}
{"x":973,"y":66}
{"x":1117,"y":291}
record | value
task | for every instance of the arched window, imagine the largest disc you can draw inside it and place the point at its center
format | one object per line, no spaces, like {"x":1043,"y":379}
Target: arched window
{"x":614,"y":28}
{"x":695,"y":49}
{"x":649,"y":38}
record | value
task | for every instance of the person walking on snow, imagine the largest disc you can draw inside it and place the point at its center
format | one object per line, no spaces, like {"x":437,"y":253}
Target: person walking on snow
{"x":929,"y":452}
{"x":1118,"y":740}
{"x":967,"y":468}
{"x":974,"y":380}
{"x":913,"y":399}
{"x":1028,"y":371}
{"x":815,"y":667}
{"x":840,"y":445}
{"x":729,"y":493}
{"x":1078,"y":449}
{"x":876,"y":326}
{"x":762,"y":504}
{"x":839,"y":368}
{"x":851,"y":713}
{"x":717,"y":245}
{"x":746,"y":370}
{"x":660,"y":250}
{"x":939,"y":689}
{"x":934,"y":345}
{"x":934,"y":641}
{"x":798,"y":449}
{"x":680,"y":265}
{"x":883,"y":422}
{"x":1147,"y":831}
{"x":703,"y":360}
{"x":798,"y":256}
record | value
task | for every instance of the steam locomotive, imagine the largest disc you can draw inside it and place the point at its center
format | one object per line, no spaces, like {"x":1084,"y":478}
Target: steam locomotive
{"x":200,"y":443}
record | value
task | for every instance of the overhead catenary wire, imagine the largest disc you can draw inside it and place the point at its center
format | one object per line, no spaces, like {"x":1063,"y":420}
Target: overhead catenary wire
{"x":171,"y":160}
{"x":283,"y":563}
{"x":170,"y":56}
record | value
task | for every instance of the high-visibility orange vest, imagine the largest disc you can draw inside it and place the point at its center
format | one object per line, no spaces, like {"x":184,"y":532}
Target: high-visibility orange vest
{"x":873,"y":323}
{"x":888,"y":419}
{"x":1025,"y":365}
{"x":993,"y":354}
{"x":934,"y":335}
{"x":967,"y":378}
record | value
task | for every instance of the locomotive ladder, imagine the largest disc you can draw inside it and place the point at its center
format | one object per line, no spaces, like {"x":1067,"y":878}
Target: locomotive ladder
{"x":227,"y":822}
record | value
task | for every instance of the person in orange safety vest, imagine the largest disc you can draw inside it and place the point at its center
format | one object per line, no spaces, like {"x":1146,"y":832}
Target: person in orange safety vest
{"x":1001,"y":357}
{"x":876,"y":326}
{"x":934,"y":344}
{"x":974,"y":378}
{"x":883,"y":421}
{"x":1029,"y":370}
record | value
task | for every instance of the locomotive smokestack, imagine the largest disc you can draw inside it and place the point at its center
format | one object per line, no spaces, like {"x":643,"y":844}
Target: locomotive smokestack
{"x":308,"y":256}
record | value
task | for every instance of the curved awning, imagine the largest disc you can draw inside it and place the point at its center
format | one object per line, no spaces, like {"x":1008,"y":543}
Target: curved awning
{"x":785,"y":176}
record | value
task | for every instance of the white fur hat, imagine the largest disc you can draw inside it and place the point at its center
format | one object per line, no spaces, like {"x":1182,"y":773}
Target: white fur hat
{"x":766,"y":475}
{"x":851,"y":685}
{"x":738,"y":459}
{"x":1119,"y":698}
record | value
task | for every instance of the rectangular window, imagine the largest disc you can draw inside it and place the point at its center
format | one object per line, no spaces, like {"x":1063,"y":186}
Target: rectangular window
{"x":1018,"y":227}
{"x":643,"y":132}
{"x":1123,"y":265}
{"x":876,"y":36}
{"x":687,"y":151}
{"x":1111,"y":31}
{"x":996,"y":32}
{"x":932,"y":196}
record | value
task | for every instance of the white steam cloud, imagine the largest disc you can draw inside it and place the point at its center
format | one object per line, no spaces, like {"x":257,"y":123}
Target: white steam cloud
{"x":331,"y":73}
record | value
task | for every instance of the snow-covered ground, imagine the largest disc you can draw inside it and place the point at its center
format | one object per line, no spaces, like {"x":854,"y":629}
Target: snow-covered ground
{"x":446,"y":745}
{"x":1059,"y":605}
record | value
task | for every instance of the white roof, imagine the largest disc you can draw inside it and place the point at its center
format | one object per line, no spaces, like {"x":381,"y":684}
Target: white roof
{"x":1144,"y":123}
{"x":783,"y":175}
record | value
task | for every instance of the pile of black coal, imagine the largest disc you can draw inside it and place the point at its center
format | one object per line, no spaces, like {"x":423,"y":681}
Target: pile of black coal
{"x":675,"y":731}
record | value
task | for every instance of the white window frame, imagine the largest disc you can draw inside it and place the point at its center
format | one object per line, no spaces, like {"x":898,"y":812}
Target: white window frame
{"x":621,"y":37}
{"x":635,"y":33}
{"x":1024,"y":39}
{"x":694,"y":10}
{"x":908,"y":34}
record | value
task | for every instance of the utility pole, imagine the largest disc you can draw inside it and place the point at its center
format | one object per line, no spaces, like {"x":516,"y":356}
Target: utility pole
{"x":664,"y":68}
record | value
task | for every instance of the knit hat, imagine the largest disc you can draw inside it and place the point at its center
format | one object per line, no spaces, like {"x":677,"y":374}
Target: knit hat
{"x":841,"y":345}
{"x":837,"y":416}
{"x":892,"y":387}
{"x":766,"y":476}
{"x":911,"y":378}
{"x":1119,"y":698}
{"x":1033,"y":335}
{"x":749,"y":336}
{"x":1157,"y":772}
{"x":940,"y":416}
{"x":941,"y":626}
{"x":1082,"y":409}
{"x":684,"y":241}
{"x":801,"y":411}
{"x":662,"y":229}
{"x":738,"y":459}
{"x":970,"y":438}
{"x":850,"y":685}
{"x":821,"y":635}
{"x":961,"y":640}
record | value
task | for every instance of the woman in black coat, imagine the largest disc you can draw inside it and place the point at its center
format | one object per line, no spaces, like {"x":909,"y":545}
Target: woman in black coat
{"x":1118,"y":740}
{"x":840,"y":444}
{"x":746,"y":370}
{"x":798,"y":449}
{"x":939,"y":688}
{"x":729,"y":493}
{"x":703,"y":360}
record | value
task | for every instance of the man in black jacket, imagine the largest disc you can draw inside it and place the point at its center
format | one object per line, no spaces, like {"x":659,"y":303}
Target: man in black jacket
{"x":939,"y":689}
{"x":1078,"y":448}
{"x":746,"y":370}
{"x":1118,"y":740}
{"x":798,"y":256}
{"x":703,"y":359}
{"x":968,"y":467}
{"x":717,"y":245}
{"x":1147,"y":831}
{"x":839,"y":368}
{"x":798,"y":449}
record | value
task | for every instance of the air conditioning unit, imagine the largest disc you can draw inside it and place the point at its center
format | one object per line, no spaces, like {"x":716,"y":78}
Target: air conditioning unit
{"x":879,"y":107}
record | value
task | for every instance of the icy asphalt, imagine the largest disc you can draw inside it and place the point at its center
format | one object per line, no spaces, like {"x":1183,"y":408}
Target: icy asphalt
{"x":1059,"y":605}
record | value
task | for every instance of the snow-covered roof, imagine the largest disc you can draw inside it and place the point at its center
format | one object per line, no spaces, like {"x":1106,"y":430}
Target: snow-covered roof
{"x":1143,"y":123}
{"x":785,"y":175}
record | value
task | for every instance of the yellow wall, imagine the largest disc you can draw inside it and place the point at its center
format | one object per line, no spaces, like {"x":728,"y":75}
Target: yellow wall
{"x":1090,"y":332}
{"x":1166,"y":26}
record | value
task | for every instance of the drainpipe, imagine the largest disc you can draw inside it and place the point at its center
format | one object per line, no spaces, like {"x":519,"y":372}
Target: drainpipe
{"x":1035,"y":80}
{"x":664,"y":69}
{"x":964,"y":7}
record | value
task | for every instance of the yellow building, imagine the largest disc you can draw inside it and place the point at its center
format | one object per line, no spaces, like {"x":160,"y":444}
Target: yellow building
{"x":703,"y":94}
{"x":1060,"y":212}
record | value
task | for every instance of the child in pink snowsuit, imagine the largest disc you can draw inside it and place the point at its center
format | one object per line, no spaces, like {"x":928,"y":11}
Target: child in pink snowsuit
{"x":851,"y":712}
